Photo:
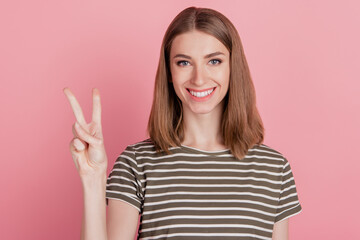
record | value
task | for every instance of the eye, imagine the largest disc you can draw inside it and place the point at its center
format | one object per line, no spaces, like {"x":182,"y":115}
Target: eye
{"x":215,"y":61}
{"x":182,"y":63}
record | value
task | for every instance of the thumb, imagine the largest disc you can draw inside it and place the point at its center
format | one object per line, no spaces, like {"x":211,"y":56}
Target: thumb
{"x":77,"y":151}
{"x":79,"y":145}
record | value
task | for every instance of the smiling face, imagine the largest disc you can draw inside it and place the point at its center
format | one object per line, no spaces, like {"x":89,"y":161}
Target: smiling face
{"x":200,"y":70}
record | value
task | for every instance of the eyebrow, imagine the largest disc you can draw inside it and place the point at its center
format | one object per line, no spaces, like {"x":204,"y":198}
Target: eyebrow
{"x":206,"y":56}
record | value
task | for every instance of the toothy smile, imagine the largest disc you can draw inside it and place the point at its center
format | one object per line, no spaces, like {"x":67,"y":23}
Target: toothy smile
{"x":201,"y":94}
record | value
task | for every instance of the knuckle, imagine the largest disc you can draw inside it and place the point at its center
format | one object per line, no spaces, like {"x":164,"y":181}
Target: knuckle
{"x":100,"y":142}
{"x":71,"y":144}
{"x":73,"y":128}
{"x":75,"y":158}
{"x":77,"y":131}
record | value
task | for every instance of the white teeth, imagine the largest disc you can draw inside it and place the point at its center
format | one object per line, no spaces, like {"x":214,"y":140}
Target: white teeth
{"x":201,"y":94}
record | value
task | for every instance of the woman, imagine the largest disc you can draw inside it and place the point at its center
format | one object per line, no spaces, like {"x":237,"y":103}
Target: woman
{"x":204,"y":172}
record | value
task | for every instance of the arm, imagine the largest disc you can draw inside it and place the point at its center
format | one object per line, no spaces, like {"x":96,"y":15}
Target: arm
{"x":281,"y":230}
{"x":89,"y":155}
{"x":122,"y":220}
{"x":94,"y":213}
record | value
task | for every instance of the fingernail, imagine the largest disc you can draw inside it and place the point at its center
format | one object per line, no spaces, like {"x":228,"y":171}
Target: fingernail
{"x":80,"y":147}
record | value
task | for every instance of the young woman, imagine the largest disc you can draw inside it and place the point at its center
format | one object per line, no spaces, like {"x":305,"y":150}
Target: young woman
{"x":204,"y":172}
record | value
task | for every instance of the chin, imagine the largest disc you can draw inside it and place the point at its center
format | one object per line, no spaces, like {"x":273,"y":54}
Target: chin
{"x":202,"y":110}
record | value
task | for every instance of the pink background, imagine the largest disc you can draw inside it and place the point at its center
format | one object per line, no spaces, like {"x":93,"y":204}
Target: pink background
{"x":304,"y":58}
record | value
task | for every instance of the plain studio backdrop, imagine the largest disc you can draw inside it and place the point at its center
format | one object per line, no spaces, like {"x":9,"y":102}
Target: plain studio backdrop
{"x":303,"y":56}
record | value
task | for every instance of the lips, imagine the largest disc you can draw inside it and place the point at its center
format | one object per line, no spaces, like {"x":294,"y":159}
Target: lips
{"x":201,"y":95}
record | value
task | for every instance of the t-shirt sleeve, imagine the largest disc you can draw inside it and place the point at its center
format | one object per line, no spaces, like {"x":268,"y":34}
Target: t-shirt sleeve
{"x":289,"y":204}
{"x":123,"y":182}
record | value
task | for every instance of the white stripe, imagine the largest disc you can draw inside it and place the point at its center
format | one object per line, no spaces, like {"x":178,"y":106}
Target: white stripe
{"x":120,"y":185}
{"x":155,"y":152}
{"x":290,"y":179}
{"x":198,"y":155}
{"x":286,"y":210}
{"x":287,"y":189}
{"x":210,"y":162}
{"x":261,"y":157}
{"x":125,"y":202}
{"x":209,"y":170}
{"x":212,"y":201}
{"x":173,"y":148}
{"x":123,"y":170}
{"x":128,"y":158}
{"x":120,"y":177}
{"x":216,"y":151}
{"x":148,"y":195}
{"x":141,"y":144}
{"x":292,"y":214}
{"x":287,"y":173}
{"x":199,"y":225}
{"x":124,"y":194}
{"x":288,"y":204}
{"x":208,"y":209}
{"x":286,"y":165}
{"x":264,"y":151}
{"x":212,"y":178}
{"x":127,"y":151}
{"x":173,"y":155}
{"x":142,"y":147}
{"x":273,"y":150}
{"x":206,"y":217}
{"x":288,"y":196}
{"x":166,"y":236}
{"x":126,"y":165}
{"x":213,"y":186}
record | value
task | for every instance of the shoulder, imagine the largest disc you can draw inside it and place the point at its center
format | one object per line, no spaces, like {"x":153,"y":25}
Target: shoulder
{"x":142,"y":145}
{"x":267,"y":152}
{"x":131,"y":153}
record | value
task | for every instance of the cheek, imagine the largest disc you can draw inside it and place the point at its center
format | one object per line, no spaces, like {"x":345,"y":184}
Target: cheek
{"x":227,"y":74}
{"x":222,"y":75}
{"x":179,"y":77}
{"x":177,"y":86}
{"x":225,"y":80}
{"x":174,"y":75}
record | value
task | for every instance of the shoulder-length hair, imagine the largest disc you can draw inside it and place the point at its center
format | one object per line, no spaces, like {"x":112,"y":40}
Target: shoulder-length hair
{"x":241,"y":124}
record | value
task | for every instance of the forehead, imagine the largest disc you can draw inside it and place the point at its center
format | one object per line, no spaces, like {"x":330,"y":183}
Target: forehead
{"x":196,"y":42}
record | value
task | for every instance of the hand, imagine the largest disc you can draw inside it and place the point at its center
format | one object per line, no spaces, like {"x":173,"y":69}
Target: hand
{"x":87,"y":146}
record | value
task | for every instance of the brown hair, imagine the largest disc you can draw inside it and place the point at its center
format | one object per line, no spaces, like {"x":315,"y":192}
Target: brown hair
{"x":241,"y":124}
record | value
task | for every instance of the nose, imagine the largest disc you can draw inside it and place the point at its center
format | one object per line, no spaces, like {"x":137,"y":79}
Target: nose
{"x":199,"y":76}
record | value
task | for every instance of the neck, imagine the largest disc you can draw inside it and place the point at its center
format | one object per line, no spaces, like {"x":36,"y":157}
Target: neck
{"x":203,"y":131}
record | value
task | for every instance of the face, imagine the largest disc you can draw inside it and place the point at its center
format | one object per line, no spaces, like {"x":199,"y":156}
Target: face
{"x":200,"y":70}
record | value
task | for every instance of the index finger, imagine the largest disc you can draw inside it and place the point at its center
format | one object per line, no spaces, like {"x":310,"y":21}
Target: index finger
{"x":96,"y":115}
{"x":75,"y":106}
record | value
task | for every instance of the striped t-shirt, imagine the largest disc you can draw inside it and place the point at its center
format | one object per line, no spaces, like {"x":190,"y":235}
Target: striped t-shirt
{"x":196,"y":194}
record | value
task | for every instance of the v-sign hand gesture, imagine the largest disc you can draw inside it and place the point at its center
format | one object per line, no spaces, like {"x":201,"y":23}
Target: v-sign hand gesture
{"x":87,"y":146}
